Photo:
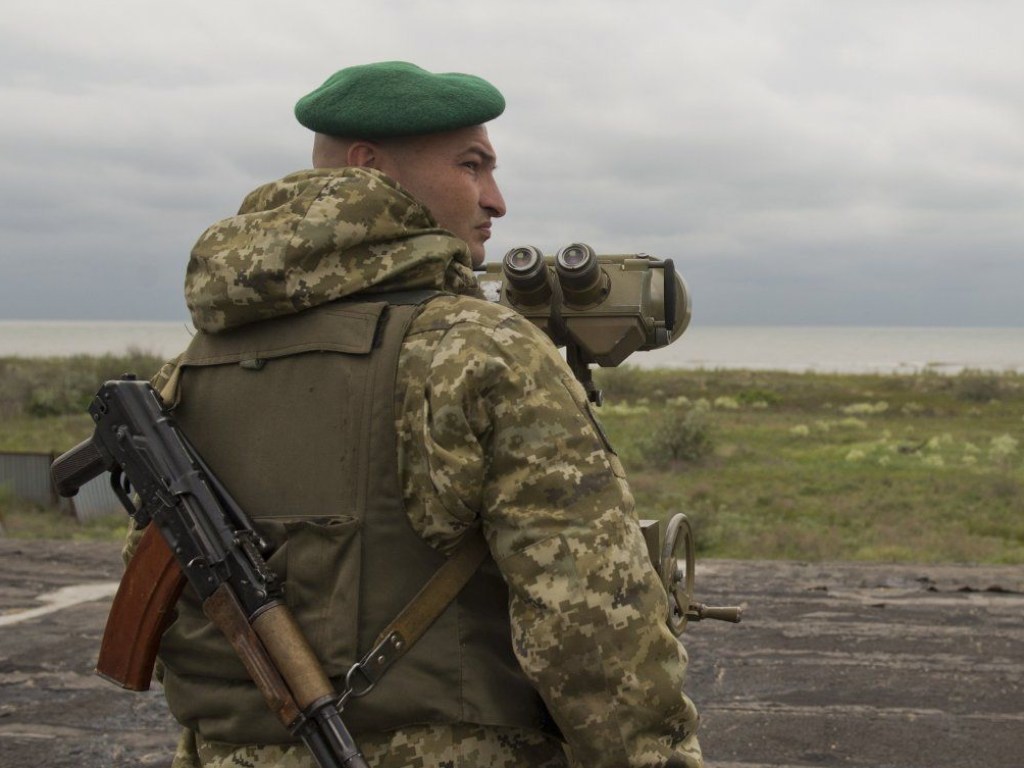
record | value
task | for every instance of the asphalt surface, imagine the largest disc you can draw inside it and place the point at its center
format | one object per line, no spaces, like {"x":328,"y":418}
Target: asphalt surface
{"x":833,"y":665}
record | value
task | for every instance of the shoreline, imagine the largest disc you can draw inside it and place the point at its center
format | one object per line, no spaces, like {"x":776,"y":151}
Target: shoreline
{"x":898,"y":370}
{"x":896,"y":350}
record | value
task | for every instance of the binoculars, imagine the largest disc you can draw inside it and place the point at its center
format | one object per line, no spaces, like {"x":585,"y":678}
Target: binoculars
{"x":601,"y":308}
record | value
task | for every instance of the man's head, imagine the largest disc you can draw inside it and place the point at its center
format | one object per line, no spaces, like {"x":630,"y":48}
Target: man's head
{"x":424,"y":130}
{"x":451,"y":173}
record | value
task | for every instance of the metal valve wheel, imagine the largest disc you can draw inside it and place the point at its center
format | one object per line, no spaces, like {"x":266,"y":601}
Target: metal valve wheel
{"x":678,"y":556}
{"x":678,"y":562}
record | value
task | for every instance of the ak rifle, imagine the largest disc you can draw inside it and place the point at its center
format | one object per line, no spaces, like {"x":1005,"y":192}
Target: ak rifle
{"x":199,"y":535}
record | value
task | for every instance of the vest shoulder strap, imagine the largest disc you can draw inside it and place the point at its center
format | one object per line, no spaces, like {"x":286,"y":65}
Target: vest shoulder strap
{"x":416,"y":617}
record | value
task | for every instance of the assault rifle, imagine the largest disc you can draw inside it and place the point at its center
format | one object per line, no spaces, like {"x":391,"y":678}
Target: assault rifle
{"x":219,"y":553}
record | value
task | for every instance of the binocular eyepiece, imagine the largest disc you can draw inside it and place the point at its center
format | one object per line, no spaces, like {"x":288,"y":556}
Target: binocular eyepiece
{"x":580,"y":280}
{"x":527,"y":275}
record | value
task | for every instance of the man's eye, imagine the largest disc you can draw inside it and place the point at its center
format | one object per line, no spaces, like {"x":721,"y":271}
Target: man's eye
{"x":473,"y":165}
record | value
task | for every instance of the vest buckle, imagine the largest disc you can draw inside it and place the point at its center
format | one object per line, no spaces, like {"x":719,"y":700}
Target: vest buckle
{"x":364,"y":674}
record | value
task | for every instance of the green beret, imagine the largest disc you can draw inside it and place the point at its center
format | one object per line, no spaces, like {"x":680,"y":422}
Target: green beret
{"x":395,"y":98}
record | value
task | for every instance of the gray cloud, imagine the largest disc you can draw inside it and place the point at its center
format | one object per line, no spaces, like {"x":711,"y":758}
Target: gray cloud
{"x":803,"y":162}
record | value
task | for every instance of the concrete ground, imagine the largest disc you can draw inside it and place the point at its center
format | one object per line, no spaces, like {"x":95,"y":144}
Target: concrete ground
{"x":833,"y":665}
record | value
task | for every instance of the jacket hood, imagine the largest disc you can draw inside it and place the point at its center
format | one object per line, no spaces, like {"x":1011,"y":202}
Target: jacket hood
{"x":316,"y":236}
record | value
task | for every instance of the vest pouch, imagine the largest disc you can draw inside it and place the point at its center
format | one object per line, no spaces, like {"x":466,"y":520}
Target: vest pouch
{"x":321,"y":566}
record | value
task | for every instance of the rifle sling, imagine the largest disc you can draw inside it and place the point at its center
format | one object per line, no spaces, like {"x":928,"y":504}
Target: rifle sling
{"x":417,"y":616}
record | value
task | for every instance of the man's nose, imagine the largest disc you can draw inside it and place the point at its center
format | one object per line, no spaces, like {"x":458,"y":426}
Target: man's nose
{"x":491,"y":199}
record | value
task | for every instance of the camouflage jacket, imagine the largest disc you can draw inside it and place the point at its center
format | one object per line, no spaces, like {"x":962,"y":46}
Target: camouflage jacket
{"x":492,"y":427}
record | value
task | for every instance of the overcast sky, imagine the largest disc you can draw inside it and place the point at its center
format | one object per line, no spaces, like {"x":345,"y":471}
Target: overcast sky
{"x":839,"y":162}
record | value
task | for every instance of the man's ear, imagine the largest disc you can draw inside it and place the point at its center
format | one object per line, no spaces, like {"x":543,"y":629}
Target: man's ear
{"x":363,"y":154}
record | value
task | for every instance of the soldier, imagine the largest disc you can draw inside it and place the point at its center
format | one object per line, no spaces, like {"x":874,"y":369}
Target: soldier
{"x":367,"y":408}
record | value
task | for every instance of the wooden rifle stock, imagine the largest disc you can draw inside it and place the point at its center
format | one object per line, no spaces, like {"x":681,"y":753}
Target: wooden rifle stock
{"x":142,"y":609}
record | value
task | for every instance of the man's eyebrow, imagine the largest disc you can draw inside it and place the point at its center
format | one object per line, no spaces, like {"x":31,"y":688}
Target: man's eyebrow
{"x":485,"y":154}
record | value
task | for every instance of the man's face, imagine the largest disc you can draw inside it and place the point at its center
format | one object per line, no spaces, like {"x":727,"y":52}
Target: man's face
{"x":452,"y":174}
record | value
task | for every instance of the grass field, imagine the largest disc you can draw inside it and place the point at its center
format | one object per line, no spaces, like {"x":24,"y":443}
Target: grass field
{"x":831,"y":467}
{"x":909,"y":468}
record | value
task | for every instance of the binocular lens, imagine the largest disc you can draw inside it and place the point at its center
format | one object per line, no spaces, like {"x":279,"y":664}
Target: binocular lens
{"x":578,"y":272}
{"x":522,"y":260}
{"x":574,"y":257}
{"x":527,"y":275}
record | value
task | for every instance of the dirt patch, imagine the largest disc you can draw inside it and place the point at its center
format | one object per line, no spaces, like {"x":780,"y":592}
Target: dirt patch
{"x":55,"y":711}
{"x":834,"y":664}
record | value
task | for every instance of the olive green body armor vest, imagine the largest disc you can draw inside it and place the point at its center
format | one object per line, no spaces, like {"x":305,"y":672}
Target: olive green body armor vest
{"x":297,"y":417}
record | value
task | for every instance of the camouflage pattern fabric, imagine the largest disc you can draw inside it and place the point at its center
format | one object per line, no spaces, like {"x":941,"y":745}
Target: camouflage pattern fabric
{"x":314,"y":237}
{"x":425,"y":746}
{"x":492,"y":427}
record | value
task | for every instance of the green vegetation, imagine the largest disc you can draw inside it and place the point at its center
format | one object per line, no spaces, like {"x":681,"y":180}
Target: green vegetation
{"x":910,"y":468}
{"x":22,"y":520}
{"x":923,"y":468}
{"x":43,"y":406}
{"x":58,"y":386}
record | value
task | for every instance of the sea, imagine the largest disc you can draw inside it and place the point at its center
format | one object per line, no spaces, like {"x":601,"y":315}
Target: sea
{"x":837,"y":349}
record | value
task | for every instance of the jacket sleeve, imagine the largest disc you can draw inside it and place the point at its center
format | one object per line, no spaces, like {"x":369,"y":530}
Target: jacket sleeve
{"x":508,"y":437}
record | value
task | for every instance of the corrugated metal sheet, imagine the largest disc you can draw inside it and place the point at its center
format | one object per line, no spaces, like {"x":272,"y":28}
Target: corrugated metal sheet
{"x":27,"y":476}
{"x":96,"y":499}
